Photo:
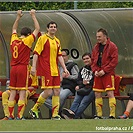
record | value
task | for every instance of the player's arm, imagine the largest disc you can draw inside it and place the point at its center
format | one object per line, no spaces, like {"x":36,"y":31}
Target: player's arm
{"x":61,"y":61}
{"x":36,"y":24}
{"x":33,"y":69}
{"x":15,"y":25}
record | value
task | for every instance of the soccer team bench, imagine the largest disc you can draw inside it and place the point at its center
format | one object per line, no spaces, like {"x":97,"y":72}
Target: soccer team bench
{"x":121,"y":85}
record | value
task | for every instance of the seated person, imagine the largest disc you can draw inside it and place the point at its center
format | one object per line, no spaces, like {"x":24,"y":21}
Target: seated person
{"x":67,"y":83}
{"x":82,"y":100}
{"x":128,"y":108}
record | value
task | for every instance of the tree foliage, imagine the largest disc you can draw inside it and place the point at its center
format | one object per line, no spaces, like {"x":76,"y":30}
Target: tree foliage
{"x":13,"y":6}
{"x":91,"y":5}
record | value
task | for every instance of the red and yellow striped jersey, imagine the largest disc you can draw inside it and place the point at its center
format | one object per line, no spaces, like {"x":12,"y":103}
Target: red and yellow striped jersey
{"x":20,"y":49}
{"x":48,"y":50}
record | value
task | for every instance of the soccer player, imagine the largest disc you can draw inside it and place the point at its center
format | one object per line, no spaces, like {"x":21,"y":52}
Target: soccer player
{"x":68,"y":83}
{"x":104,"y":62}
{"x":20,"y":52}
{"x":47,"y":54}
{"x":33,"y":85}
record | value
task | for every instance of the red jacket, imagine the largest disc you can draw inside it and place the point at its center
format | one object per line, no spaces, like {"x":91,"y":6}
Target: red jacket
{"x":109,"y":57}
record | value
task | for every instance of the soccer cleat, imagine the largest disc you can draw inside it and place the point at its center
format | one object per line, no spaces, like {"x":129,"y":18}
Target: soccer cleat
{"x":97,"y":117}
{"x":56,"y":118}
{"x":34,"y":114}
{"x":111,"y":117}
{"x":68,"y":113}
{"x":5,"y":118}
{"x":10,"y":118}
{"x":17,"y":118}
{"x":124,"y":116}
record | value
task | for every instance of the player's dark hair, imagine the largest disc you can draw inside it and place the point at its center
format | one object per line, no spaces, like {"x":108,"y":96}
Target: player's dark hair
{"x":52,"y":22}
{"x":25,"y":31}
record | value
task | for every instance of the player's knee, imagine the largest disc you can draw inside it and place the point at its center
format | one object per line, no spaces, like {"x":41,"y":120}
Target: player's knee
{"x":110,"y":94}
{"x":56,"y":92}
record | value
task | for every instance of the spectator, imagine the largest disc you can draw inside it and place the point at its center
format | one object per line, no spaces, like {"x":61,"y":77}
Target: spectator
{"x":128,"y":108}
{"x":82,"y":101}
{"x":67,"y":83}
{"x":20,"y":51}
{"x":47,"y":54}
{"x":104,"y":62}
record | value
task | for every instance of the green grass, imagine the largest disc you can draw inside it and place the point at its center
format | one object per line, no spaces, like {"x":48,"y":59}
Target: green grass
{"x":68,"y":125}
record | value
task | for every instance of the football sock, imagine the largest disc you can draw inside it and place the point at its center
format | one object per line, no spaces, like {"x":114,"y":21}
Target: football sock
{"x":112,"y":105}
{"x":39,"y":102}
{"x":11,"y":105}
{"x":99,"y":104}
{"x":5,"y":97}
{"x":21,"y":108}
{"x":127,"y":113}
{"x":55,"y":106}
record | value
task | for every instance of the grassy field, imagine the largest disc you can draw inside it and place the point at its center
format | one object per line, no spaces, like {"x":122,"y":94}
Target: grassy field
{"x":104,"y":125}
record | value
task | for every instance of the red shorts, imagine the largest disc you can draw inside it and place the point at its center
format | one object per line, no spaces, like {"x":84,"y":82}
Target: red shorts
{"x":50,"y":82}
{"x":19,"y":76}
{"x":32,"y":92}
{"x":104,"y":83}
